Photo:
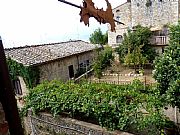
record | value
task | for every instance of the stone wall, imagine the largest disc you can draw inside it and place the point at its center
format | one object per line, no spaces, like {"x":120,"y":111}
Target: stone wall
{"x":47,"y":124}
{"x":123,"y":12}
{"x":20,"y":100}
{"x":155,"y":14}
{"x":59,"y":69}
{"x":173,"y":114}
{"x":3,"y":122}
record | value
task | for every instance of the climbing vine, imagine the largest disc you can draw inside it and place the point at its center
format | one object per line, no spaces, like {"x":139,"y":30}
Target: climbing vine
{"x":30,"y":74}
{"x":111,"y":106}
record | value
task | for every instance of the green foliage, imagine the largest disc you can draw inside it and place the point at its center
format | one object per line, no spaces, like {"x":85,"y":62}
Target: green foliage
{"x":112,"y":106}
{"x":149,"y":53}
{"x":148,"y":3}
{"x":136,"y":43}
{"x":167,"y":68}
{"x":135,"y":58}
{"x":97,"y":37}
{"x":29,"y":74}
{"x":102,"y":61}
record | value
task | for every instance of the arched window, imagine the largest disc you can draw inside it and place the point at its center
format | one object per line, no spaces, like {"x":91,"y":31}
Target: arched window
{"x":119,"y":38}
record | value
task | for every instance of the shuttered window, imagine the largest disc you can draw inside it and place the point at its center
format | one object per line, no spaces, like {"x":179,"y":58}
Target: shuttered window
{"x":17,"y":87}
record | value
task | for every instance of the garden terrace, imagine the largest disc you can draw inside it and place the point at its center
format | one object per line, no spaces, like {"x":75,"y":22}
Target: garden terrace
{"x":116,"y":107}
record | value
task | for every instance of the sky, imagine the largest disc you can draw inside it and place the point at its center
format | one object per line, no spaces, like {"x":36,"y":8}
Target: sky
{"x":32,"y":22}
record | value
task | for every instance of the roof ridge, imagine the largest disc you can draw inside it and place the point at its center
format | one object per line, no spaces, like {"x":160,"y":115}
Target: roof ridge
{"x":28,"y":46}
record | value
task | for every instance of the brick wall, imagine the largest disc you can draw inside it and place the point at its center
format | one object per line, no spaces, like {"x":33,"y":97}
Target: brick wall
{"x":3,"y":123}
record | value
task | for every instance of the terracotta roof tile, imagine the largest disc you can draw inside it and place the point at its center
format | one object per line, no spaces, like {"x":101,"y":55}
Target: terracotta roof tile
{"x":37,"y":54}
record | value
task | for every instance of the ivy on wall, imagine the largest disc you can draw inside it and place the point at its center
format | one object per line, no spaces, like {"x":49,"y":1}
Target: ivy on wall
{"x":30,"y":74}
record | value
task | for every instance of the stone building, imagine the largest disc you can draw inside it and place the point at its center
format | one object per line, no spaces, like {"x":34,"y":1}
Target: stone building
{"x":59,"y":61}
{"x":156,"y":14}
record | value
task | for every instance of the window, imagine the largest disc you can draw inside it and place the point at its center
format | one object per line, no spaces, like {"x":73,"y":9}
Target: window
{"x":118,"y":19}
{"x":119,"y":39}
{"x":87,"y":63}
{"x":17,"y":87}
{"x":81,"y":65}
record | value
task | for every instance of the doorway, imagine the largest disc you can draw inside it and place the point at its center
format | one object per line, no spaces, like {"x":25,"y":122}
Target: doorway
{"x":71,"y":71}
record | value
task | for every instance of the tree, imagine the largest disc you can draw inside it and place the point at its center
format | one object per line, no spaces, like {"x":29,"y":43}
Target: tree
{"x":97,"y":37}
{"x":135,"y":49}
{"x":167,"y":68}
{"x":135,"y":40}
{"x":102,"y":61}
{"x":135,"y":58}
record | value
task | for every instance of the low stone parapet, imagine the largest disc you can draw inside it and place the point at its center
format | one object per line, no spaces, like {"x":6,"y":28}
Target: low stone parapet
{"x":47,"y":124}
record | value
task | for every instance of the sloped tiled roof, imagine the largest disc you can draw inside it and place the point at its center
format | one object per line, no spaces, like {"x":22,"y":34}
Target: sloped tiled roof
{"x":38,"y":54}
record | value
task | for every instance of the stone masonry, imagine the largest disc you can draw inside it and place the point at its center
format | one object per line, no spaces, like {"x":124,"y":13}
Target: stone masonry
{"x":123,"y":14}
{"x":154,"y":13}
{"x":62,"y":61}
{"x":151,"y":13}
{"x":59,"y":69}
{"x":44,"y":123}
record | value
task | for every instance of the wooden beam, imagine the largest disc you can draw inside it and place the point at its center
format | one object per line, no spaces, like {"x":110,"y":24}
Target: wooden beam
{"x":7,"y":97}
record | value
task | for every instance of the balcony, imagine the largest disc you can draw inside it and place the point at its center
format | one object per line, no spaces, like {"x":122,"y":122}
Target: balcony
{"x":159,"y":40}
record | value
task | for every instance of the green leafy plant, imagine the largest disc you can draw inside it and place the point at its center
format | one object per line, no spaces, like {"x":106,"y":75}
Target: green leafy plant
{"x":167,"y":68}
{"x":97,"y":37}
{"x":103,"y":60}
{"x":136,"y":47}
{"x":111,"y":106}
{"x":30,"y":74}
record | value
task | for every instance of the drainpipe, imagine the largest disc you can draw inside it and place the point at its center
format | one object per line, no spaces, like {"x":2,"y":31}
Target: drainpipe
{"x":175,"y":114}
{"x":77,"y":61}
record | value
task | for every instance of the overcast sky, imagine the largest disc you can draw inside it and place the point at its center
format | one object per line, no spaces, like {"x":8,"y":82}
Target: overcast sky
{"x":27,"y":22}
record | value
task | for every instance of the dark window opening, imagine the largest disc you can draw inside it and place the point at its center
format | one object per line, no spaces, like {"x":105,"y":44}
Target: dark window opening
{"x":119,"y":39}
{"x":17,"y":87}
{"x":162,"y":49}
{"x":118,"y":19}
{"x":71,"y":71}
{"x":81,"y":65}
{"x":87,"y":63}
